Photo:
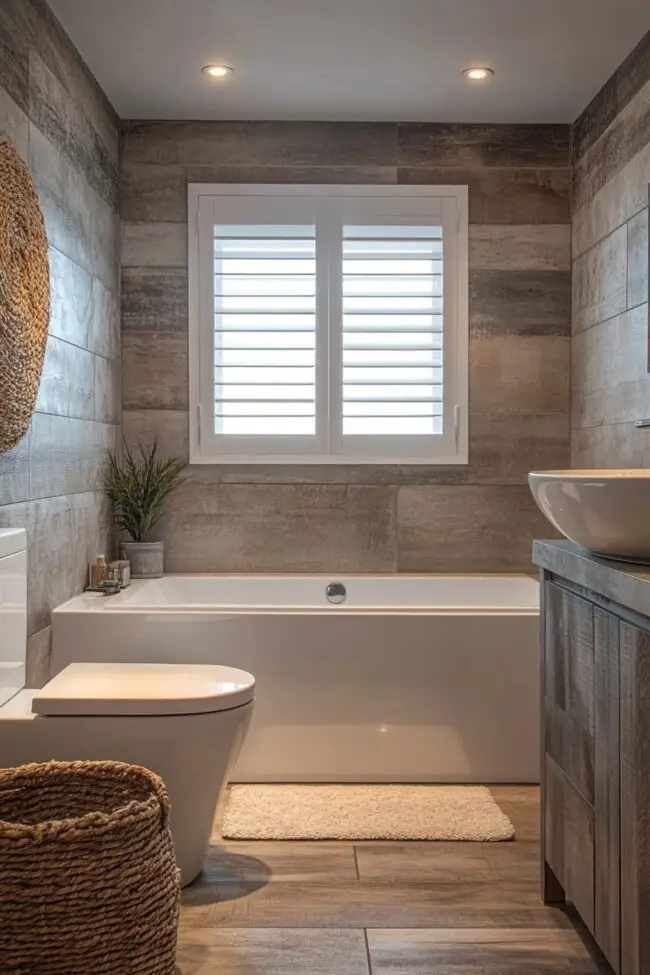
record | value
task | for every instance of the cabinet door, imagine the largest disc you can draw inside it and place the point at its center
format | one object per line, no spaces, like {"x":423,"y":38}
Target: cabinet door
{"x":635,"y":799}
{"x":607,"y":878}
{"x":570,"y":687}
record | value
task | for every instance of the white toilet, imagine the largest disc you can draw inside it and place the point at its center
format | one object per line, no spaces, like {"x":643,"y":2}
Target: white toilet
{"x":185,"y":722}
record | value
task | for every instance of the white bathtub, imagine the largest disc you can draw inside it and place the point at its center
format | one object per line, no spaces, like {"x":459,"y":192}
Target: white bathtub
{"x":410,"y":679}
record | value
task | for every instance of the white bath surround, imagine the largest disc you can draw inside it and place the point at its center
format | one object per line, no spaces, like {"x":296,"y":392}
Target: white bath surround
{"x":411,"y":679}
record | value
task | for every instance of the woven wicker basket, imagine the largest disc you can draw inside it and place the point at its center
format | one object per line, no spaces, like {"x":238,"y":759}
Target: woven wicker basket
{"x":88,"y":879}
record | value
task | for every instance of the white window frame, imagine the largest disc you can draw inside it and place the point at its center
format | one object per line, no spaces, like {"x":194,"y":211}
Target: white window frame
{"x":210,"y":203}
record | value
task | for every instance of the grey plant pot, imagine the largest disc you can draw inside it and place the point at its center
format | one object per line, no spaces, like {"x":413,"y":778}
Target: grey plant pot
{"x":146,"y":558}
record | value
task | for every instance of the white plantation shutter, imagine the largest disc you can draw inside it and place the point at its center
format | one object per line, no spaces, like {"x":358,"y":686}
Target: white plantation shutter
{"x":392,"y":330}
{"x":328,"y":324}
{"x":264,"y":330}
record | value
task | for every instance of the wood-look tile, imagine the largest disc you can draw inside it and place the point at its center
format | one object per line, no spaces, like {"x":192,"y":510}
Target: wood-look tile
{"x":154,"y":300}
{"x":475,"y":146}
{"x":279,"y":951}
{"x":153,"y":244}
{"x":483,"y":950}
{"x":51,"y":43}
{"x":520,"y":803}
{"x":525,"y":247}
{"x":169,"y":427}
{"x":623,"y":196}
{"x":599,"y":281}
{"x":520,"y":302}
{"x":38,"y":658}
{"x":152,"y":193}
{"x":78,"y":222}
{"x":14,"y":472}
{"x":519,"y":374}
{"x":67,"y":454}
{"x":59,"y":118}
{"x":261,"y":143}
{"x":504,"y":447}
{"x":627,"y":135}
{"x":280,"y":862}
{"x":467,"y":528}
{"x":67,"y":386}
{"x":367,"y":905}
{"x":282,"y":527}
{"x":14,"y":123}
{"x":416,"y":862}
{"x":320,"y":173}
{"x":14,"y":51}
{"x":154,"y":370}
{"x":637,"y":259}
{"x":503,"y":196}
{"x":612,"y":98}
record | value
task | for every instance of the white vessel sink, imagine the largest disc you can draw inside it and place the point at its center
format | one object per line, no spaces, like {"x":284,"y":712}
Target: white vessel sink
{"x":607,"y":512}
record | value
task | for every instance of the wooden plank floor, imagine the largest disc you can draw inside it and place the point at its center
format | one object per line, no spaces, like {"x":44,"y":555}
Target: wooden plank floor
{"x":379,"y":908}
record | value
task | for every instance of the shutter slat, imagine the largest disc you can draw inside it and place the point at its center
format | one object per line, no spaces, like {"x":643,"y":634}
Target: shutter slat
{"x":265,"y":330}
{"x":392,"y":289}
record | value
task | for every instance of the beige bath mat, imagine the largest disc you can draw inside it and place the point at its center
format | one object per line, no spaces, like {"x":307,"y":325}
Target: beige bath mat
{"x":364,"y":812}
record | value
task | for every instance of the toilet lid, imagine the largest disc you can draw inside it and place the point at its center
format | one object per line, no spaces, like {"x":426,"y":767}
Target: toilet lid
{"x":139,"y":689}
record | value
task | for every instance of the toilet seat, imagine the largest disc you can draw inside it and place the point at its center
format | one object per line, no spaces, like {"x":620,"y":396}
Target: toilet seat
{"x":106,"y":689}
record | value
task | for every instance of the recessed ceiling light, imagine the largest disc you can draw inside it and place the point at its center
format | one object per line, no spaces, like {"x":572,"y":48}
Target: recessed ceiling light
{"x":217,"y":70}
{"x":478,"y":74}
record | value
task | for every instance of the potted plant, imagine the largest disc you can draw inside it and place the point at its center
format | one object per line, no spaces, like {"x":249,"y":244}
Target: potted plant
{"x":138,"y":490}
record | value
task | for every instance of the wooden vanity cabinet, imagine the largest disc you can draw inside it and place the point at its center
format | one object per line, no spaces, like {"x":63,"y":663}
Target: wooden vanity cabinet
{"x":596,"y":768}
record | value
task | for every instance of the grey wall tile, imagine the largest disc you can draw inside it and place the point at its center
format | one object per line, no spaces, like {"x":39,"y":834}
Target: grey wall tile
{"x":153,"y":244}
{"x":526,"y":247}
{"x":67,"y":454}
{"x":627,"y":135}
{"x":154,"y":371}
{"x":638,"y":255}
{"x":61,"y":120}
{"x":519,"y":374}
{"x":476,"y":146}
{"x":599,"y":281}
{"x":71,"y":299}
{"x":292,"y":528}
{"x":14,"y":123}
{"x":39,"y":650}
{"x":610,"y":445}
{"x":79,"y":223}
{"x":511,"y":196}
{"x":67,"y":385}
{"x":520,"y":302}
{"x":505,"y":447}
{"x":14,"y":473}
{"x":154,"y":299}
{"x":311,"y":173}
{"x":104,"y":337}
{"x":108,"y":391}
{"x":261,"y":143}
{"x":467,"y":528}
{"x":619,"y":199}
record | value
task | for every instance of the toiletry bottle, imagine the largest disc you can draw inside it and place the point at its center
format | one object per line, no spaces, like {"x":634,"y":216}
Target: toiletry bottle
{"x":98,"y":570}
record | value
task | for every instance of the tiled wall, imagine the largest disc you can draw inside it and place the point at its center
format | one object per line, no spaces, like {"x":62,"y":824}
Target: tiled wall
{"x":62,"y":124}
{"x":475,"y":518}
{"x":611,"y":173}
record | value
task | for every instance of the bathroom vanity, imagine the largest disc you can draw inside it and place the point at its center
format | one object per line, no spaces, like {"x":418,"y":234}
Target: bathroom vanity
{"x":595,"y":656}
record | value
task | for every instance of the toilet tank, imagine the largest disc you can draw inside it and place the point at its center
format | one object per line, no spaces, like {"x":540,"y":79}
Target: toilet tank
{"x":13,"y":611}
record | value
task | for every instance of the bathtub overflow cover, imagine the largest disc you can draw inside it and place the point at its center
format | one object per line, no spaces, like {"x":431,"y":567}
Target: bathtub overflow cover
{"x":335,"y":592}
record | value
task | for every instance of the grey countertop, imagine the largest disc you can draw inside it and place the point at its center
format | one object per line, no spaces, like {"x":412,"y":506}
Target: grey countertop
{"x":625,"y":583}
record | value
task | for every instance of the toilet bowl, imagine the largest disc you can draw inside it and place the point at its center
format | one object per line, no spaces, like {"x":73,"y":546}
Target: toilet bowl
{"x":185,"y":722}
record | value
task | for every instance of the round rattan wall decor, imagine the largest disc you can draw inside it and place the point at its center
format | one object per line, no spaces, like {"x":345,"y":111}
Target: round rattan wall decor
{"x":24,"y":296}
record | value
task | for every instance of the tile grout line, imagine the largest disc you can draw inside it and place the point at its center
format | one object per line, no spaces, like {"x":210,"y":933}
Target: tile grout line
{"x":367,"y":944}
{"x":356,"y":861}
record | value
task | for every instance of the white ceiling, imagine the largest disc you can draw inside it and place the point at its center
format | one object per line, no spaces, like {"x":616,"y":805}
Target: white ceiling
{"x":369,"y":60}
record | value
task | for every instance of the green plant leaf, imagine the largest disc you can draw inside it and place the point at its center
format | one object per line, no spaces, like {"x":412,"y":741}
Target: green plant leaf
{"x":138,"y":488}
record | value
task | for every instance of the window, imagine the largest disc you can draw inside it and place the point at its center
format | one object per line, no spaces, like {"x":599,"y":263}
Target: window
{"x":328,"y":324}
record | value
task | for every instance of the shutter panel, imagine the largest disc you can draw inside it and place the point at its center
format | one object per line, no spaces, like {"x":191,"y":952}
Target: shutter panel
{"x":392,"y":330}
{"x":265,"y":330}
